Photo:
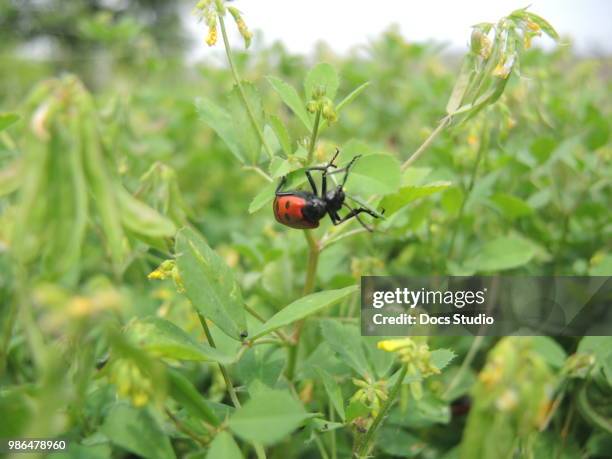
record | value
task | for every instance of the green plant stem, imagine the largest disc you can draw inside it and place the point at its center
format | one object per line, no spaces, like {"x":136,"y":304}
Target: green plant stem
{"x":259,"y":171}
{"x":484,"y":143}
{"x":186,"y":430}
{"x":313,"y":138}
{"x":364,"y":445}
{"x":444,"y":122}
{"x":311,"y":267}
{"x":464,"y":365}
{"x":259,"y":450}
{"x":313,"y":262}
{"x":247,"y":105}
{"x":320,"y":446}
{"x":226,"y":378}
{"x":278,"y":333}
{"x":332,"y":418}
{"x":7,"y":332}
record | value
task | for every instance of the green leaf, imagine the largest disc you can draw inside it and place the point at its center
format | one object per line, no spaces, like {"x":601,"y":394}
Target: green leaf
{"x":511,"y":206}
{"x":544,"y":25}
{"x":550,"y":350}
{"x":345,"y":340}
{"x":243,"y":131}
{"x":183,"y":391}
{"x":161,"y":338}
{"x":601,"y":265}
{"x":15,"y":404}
{"x":334,"y":393}
{"x":356,"y":409}
{"x":78,"y":451}
{"x":399,"y":443}
{"x":281,"y":134}
{"x":268,"y":417}
{"x":422,"y":413}
{"x":224,"y":446}
{"x":598,"y":346}
{"x":220,"y":121}
{"x":258,"y":364}
{"x":292,"y":99}
{"x":210,"y":284}
{"x":7,"y":119}
{"x":322,"y":75}
{"x":440,"y":358}
{"x":137,"y":431}
{"x":303,"y":307}
{"x":505,"y":252}
{"x":10,"y":178}
{"x":465,"y":76}
{"x":352,"y":96}
{"x":141,"y":219}
{"x":408,"y":194}
{"x":266,"y":195}
{"x":376,"y":173}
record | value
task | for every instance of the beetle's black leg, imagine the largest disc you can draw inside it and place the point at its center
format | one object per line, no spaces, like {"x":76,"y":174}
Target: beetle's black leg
{"x":313,"y":185}
{"x":278,"y":191}
{"x":355,"y":213}
{"x":282,"y":182}
{"x":348,"y":168}
{"x":345,"y":169}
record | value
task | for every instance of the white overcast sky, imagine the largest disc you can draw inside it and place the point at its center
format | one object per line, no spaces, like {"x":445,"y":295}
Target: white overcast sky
{"x":343,"y":24}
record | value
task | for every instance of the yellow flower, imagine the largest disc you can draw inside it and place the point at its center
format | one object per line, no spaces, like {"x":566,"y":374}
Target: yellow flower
{"x":211,"y":39}
{"x":392,"y":345}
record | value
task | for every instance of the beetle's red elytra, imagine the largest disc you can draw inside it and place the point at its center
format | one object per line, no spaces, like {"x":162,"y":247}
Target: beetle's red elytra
{"x":288,"y":210}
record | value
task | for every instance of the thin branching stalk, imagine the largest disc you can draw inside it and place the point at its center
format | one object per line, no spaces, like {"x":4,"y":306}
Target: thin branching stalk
{"x":444,"y":122}
{"x":247,"y":105}
{"x":467,"y":362}
{"x":313,"y":138}
{"x":259,"y":451}
{"x":320,"y":446}
{"x":226,"y":378}
{"x":259,"y":171}
{"x":284,"y":338}
{"x":484,"y":143}
{"x":186,"y":430}
{"x":332,"y":418}
{"x":364,"y":445}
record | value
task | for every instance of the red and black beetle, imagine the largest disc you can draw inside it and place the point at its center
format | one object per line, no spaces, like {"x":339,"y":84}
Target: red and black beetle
{"x":303,"y":209}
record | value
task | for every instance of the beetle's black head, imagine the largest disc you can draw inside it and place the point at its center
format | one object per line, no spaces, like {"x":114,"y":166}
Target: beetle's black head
{"x":335,"y":198}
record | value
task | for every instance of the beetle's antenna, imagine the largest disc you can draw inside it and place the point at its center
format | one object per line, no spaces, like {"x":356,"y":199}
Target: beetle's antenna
{"x":367,"y":227}
{"x":331,"y":162}
{"x":361,"y":204}
{"x":356,"y":215}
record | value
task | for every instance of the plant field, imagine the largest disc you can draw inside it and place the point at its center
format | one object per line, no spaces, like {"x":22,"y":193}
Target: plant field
{"x":151,"y":305}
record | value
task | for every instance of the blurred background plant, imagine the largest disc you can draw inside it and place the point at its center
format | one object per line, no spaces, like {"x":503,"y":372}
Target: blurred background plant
{"x":105,"y":153}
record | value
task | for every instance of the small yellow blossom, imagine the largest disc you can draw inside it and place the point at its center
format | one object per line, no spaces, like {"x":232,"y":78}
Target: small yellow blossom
{"x":211,"y":38}
{"x":533,"y":26}
{"x":508,"y":401}
{"x":392,"y":345}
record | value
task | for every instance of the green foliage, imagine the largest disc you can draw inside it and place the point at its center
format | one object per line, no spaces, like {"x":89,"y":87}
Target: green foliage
{"x":302,"y":308}
{"x":268,"y":417}
{"x":137,"y":431}
{"x":236,"y":337}
{"x":209,"y":284}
